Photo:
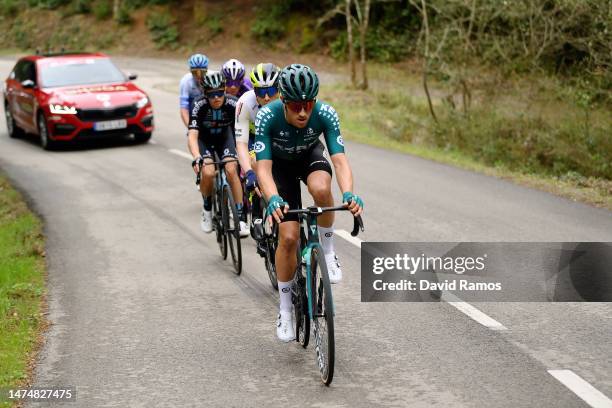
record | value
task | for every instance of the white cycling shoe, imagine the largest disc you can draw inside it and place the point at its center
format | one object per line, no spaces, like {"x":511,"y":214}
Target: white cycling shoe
{"x":244,"y":229}
{"x":285,"y":330}
{"x":206,"y":221}
{"x":333,"y":268}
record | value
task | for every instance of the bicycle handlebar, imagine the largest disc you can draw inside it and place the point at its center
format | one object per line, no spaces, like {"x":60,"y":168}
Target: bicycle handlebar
{"x":316,"y":211}
{"x":202,"y":163}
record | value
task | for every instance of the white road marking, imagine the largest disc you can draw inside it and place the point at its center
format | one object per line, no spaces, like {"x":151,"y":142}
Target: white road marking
{"x":181,"y":153}
{"x":451,"y":299}
{"x":472,"y":312}
{"x":581,"y":388}
{"x":348,"y":237}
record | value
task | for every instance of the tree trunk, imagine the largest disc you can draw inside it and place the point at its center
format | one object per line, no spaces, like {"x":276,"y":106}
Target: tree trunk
{"x":426,"y":62}
{"x":351,"y":50}
{"x":116,"y":9}
{"x":363,"y":29}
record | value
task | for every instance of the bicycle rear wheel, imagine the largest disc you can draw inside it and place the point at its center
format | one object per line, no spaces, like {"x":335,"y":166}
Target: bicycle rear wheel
{"x":322,"y":315}
{"x":270,"y":259}
{"x":217,"y":212}
{"x":232,"y":225}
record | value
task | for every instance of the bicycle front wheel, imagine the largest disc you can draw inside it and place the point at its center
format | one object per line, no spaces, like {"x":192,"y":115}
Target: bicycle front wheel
{"x":232,"y":225}
{"x":322,"y":315}
{"x":218,"y":214}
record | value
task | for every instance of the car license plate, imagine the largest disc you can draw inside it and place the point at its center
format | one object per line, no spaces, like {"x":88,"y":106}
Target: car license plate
{"x":110,"y":125}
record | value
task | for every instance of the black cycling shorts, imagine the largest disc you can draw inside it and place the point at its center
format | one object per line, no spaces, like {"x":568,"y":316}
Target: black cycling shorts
{"x":224,"y":147}
{"x":288,"y":173}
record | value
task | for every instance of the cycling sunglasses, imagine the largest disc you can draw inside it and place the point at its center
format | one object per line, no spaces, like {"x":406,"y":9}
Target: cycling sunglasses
{"x":199,"y":72}
{"x":269,"y":90}
{"x":215,"y":94}
{"x":234,"y":82}
{"x":298,"y":106}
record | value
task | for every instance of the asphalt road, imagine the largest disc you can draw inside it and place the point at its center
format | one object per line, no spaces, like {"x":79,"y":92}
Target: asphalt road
{"x":145,"y":313}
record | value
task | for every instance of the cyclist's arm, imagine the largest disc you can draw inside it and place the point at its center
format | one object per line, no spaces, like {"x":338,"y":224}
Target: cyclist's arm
{"x":194,"y":129}
{"x":344,"y":174}
{"x":185,"y":116}
{"x":184,"y":101}
{"x":241,"y":126}
{"x":265,"y":178}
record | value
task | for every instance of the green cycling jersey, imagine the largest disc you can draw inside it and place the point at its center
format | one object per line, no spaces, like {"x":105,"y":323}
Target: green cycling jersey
{"x":274,"y":137}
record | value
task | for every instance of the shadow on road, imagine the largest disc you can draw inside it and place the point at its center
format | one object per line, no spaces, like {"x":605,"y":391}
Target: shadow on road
{"x":81,"y":145}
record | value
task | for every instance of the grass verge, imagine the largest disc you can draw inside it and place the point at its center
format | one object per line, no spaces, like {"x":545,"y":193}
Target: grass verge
{"x":399,"y":123}
{"x":22,"y":288}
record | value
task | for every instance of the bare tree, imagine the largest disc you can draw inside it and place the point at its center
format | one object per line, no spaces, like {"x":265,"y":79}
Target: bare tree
{"x":426,"y":59}
{"x":116,"y":5}
{"x":363,"y":18}
{"x":349,"y":33}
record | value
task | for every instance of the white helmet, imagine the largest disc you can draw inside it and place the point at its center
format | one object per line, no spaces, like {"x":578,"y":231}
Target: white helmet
{"x":233,"y":70}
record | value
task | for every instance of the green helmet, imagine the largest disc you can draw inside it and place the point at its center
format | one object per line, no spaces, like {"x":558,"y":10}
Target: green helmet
{"x":299,"y":83}
{"x":213,"y":80}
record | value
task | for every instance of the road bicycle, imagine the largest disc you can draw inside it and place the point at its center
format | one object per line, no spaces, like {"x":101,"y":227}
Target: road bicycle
{"x":311,"y":292}
{"x":225,"y":220}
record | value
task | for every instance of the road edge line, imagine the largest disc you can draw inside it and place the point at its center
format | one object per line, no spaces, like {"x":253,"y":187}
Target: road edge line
{"x":582,"y":388}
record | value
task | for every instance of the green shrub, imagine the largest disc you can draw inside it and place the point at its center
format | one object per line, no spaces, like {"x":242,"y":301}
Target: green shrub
{"x":123,"y":15}
{"x":53,"y":4}
{"x":270,"y":22}
{"x":163,"y":29}
{"x":214,"y":24}
{"x":9,"y":7}
{"x":102,"y":9}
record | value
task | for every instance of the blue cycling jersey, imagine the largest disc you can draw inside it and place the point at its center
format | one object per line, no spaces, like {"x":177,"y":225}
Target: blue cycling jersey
{"x":190,"y":92}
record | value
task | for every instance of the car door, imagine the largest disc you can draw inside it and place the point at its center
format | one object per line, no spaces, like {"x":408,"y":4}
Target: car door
{"x":13,"y":90}
{"x":28,"y":101}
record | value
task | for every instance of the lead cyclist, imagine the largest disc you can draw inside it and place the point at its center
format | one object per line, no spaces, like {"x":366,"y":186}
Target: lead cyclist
{"x":288,"y":147}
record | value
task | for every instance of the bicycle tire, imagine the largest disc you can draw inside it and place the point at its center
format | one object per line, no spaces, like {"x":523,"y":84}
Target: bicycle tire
{"x":232,"y":229}
{"x":323,"y":312}
{"x":218,"y":222}
{"x":300,"y":307}
{"x":270,"y":258}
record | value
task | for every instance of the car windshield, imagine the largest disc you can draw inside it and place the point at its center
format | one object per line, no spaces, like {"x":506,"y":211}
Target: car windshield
{"x":79,"y":72}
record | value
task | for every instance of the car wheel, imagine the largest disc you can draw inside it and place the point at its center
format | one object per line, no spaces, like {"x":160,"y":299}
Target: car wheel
{"x":43,"y":131}
{"x":11,"y":126}
{"x":142,"y":137}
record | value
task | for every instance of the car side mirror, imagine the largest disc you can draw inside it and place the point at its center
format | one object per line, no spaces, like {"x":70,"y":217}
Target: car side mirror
{"x":132,"y":77}
{"x":28,"y":84}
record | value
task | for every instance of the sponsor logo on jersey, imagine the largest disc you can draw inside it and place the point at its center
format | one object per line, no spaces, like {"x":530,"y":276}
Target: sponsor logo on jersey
{"x":194,"y":123}
{"x":226,"y":152}
{"x":259,"y":147}
{"x":340,"y":140}
{"x":310,"y":131}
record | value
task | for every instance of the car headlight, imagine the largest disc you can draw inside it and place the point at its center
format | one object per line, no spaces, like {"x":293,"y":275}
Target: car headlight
{"x":62,"y":109}
{"x":142,"y":102}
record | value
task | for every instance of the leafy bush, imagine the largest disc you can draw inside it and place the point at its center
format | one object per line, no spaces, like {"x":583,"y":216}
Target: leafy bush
{"x":163,"y":29}
{"x":9,"y":7}
{"x":53,"y":4}
{"x":270,"y":23}
{"x":102,"y":9}
{"x":123,"y":15}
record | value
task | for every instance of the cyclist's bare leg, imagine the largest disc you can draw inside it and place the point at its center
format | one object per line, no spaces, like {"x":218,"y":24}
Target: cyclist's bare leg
{"x":231,"y":169}
{"x":208,"y":175}
{"x":286,"y":262}
{"x":319,"y":187}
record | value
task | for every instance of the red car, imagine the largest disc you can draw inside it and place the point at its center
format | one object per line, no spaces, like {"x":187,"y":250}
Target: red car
{"x":64,"y":97}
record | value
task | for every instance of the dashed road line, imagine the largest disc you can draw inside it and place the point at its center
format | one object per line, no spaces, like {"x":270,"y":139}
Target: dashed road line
{"x":464,"y":307}
{"x":180,"y":153}
{"x":582,"y":388}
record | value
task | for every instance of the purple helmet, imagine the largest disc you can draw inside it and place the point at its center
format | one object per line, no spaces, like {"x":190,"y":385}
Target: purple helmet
{"x":233,"y":70}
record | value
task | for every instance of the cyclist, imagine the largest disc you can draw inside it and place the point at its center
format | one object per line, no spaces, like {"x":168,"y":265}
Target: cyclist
{"x":236,"y":84}
{"x":288,"y":147}
{"x":264,"y":77}
{"x":190,"y":90}
{"x":211,"y":130}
